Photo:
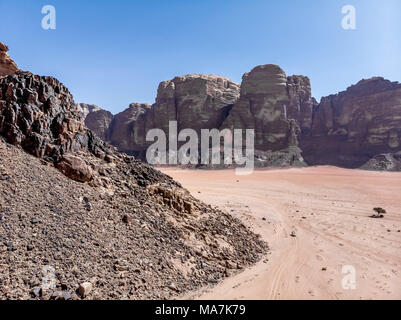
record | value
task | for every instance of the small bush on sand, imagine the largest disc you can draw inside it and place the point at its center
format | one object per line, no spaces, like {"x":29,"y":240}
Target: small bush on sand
{"x":379,"y":212}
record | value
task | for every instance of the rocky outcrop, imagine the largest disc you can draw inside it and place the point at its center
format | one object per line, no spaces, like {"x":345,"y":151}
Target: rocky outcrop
{"x":277,"y":107}
{"x":353,"y":126}
{"x":128,"y":129}
{"x":384,"y":162}
{"x":7,"y":65}
{"x":195,"y":101}
{"x":103,"y":217}
{"x":291,"y":128}
{"x":38,"y":113}
{"x":97,"y":119}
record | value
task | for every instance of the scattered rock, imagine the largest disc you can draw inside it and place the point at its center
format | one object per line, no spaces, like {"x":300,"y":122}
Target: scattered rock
{"x":126,"y":219}
{"x":84,"y":289}
{"x":75,"y":168}
{"x":64,"y":296}
{"x":35,"y":221}
{"x":36,"y":292}
{"x":173,"y":287}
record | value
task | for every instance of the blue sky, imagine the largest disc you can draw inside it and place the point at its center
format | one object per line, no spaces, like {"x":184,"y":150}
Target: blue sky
{"x":112,"y":53}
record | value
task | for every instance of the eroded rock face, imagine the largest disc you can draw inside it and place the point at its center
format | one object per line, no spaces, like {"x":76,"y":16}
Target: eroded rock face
{"x":346,"y":129}
{"x":7,"y":65}
{"x":269,"y":102}
{"x":384,"y":162}
{"x":39,"y":114}
{"x":96,"y":119}
{"x":195,"y":101}
{"x":128,"y":129}
{"x":353,"y":126}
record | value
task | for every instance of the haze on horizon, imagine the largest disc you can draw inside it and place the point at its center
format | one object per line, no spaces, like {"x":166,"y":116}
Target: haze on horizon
{"x":116,"y":52}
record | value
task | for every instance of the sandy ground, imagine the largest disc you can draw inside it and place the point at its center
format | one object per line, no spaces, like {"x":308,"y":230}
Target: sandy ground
{"x":329,"y":209}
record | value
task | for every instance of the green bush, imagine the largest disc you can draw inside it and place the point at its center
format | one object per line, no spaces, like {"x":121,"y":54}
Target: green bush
{"x":379,"y":210}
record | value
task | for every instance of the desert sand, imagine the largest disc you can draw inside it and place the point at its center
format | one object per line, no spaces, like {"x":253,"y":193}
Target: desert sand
{"x":329,"y":209}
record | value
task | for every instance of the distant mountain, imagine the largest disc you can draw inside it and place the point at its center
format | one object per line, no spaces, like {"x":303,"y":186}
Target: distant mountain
{"x":291,"y":128}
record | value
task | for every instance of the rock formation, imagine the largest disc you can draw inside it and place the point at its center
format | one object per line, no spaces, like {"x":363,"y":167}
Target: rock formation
{"x":128,"y":129}
{"x":38,"y":113}
{"x":7,"y":65}
{"x":97,"y":119}
{"x":103,"y":221}
{"x":291,"y":128}
{"x":195,"y":101}
{"x":355,"y":125}
{"x":384,"y":162}
{"x":269,"y":102}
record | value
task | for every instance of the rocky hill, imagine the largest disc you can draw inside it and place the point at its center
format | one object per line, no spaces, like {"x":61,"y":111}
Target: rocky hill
{"x":105,"y":225}
{"x":355,"y":125}
{"x":97,"y":119}
{"x":7,"y":65}
{"x":195,"y":101}
{"x":291,"y":127}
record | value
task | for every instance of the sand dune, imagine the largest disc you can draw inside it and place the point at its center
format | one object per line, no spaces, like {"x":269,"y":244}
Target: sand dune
{"x":329,"y":209}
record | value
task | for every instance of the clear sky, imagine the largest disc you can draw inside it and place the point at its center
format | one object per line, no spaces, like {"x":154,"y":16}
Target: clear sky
{"x":112,"y":53}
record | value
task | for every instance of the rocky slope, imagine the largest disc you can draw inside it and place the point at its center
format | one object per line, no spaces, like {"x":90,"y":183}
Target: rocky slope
{"x":291,"y":128}
{"x":7,"y":65}
{"x":109,"y":226}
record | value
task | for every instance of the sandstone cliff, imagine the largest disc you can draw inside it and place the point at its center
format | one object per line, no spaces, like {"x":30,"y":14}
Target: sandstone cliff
{"x":291,"y":128}
{"x":195,"y":101}
{"x":268,"y":102}
{"x":97,"y":119}
{"x":353,"y":126}
{"x":128,"y":129}
{"x":7,"y":65}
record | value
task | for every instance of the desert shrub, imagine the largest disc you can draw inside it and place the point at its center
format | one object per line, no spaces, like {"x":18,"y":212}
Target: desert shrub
{"x":379,"y":210}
